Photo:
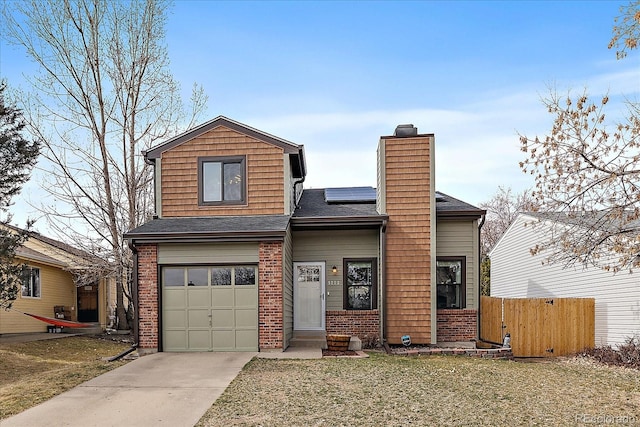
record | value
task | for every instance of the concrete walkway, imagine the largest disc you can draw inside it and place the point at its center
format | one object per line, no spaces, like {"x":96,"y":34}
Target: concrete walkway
{"x":162,"y":389}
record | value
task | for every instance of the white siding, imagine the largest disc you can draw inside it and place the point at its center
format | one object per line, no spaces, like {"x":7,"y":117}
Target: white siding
{"x":515,"y":273}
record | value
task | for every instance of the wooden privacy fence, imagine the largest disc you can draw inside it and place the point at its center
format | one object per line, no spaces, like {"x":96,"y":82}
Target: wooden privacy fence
{"x":539,"y":327}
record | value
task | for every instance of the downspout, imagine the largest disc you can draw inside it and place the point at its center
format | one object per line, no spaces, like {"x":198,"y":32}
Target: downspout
{"x":297,"y":199}
{"x":383,"y":283}
{"x":136,"y":319}
{"x":152,"y":162}
{"x":479,"y":273}
{"x":303,"y":171}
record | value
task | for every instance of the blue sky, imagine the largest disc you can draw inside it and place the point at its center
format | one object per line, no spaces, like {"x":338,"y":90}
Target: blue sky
{"x":335,"y":76}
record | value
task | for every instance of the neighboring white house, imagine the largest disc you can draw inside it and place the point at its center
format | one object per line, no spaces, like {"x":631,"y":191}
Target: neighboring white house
{"x":515,"y":273}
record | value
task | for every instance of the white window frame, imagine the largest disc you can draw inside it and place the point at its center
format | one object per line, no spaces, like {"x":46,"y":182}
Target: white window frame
{"x":34,"y":283}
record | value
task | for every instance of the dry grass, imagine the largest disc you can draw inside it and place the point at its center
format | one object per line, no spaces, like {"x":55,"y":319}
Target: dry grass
{"x":33,"y":372}
{"x":391,"y":390}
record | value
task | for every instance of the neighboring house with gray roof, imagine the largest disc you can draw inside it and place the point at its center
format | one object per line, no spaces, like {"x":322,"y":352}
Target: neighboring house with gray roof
{"x":515,"y":273}
{"x":241,"y":257}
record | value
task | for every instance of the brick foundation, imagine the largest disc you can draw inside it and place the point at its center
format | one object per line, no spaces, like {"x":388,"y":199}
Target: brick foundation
{"x":457,"y":325}
{"x":490,"y":353}
{"x":364,"y":324}
{"x":270,"y":296}
{"x":148,"y":298}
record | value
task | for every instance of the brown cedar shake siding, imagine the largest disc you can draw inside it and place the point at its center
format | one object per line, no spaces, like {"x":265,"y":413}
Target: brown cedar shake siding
{"x":407,"y":196}
{"x":264,"y":169}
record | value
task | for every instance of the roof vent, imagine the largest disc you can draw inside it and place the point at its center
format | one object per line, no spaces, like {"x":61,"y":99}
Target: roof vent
{"x":405,"y":131}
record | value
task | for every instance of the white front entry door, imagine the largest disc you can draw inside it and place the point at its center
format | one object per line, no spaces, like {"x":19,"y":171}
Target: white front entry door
{"x":308,"y":295}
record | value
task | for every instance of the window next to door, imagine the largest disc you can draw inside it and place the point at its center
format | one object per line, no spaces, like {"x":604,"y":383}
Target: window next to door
{"x":221,"y":181}
{"x":450,"y":280}
{"x":360,"y":285}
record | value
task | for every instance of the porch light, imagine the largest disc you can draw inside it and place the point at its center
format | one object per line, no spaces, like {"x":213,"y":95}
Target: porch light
{"x":334,"y":270}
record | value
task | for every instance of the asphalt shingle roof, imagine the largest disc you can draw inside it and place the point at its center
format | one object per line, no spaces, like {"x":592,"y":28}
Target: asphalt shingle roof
{"x":446,"y":204}
{"x":212,"y":225}
{"x":313,"y":204}
{"x":312,"y":208}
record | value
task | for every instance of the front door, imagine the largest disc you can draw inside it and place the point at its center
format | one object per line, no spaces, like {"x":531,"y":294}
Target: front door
{"x":308,"y":296}
{"x":88,"y":303}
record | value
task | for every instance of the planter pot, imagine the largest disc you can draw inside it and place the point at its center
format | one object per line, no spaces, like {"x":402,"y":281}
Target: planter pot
{"x":338,"y":342}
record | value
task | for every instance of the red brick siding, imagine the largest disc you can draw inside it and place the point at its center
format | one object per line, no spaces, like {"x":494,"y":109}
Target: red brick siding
{"x":270,"y":296}
{"x":148,"y":297}
{"x":363,"y":324}
{"x":457,"y":325}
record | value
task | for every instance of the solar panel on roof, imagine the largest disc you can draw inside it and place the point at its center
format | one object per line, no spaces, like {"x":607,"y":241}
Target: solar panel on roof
{"x":350,"y":195}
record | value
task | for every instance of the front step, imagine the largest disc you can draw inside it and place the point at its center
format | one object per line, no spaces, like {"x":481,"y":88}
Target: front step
{"x":309,"y":339}
{"x":94,"y":329}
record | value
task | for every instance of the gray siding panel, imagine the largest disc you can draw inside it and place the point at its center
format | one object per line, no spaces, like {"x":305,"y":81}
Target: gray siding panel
{"x":515,"y":273}
{"x":332,"y":247}
{"x":217,"y":253}
{"x":460,"y":238}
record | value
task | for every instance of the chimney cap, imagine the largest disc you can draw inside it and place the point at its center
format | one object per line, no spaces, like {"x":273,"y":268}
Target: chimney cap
{"x":406,"y":130}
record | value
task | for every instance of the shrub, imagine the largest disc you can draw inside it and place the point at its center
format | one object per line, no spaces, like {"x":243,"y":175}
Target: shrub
{"x":627,"y":354}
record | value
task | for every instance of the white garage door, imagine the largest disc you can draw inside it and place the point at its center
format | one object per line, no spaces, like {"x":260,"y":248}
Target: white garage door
{"x":210,"y":308}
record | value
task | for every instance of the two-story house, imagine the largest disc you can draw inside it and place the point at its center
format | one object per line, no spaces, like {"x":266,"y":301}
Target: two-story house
{"x":241,"y":257}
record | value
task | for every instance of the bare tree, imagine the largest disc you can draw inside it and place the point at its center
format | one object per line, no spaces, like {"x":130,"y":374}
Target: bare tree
{"x":502,"y":209}
{"x":626,"y":30}
{"x":104,"y":94}
{"x":587,"y":176}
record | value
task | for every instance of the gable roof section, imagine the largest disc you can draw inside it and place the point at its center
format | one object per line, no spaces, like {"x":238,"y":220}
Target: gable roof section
{"x":220,"y":228}
{"x":450,"y":207}
{"x":53,"y":251}
{"x":526,"y":217}
{"x":299,"y":166}
{"x":28,"y":254}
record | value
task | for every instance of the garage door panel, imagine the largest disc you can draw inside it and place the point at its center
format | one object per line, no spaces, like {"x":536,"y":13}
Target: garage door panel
{"x":198,"y":318}
{"x":246,"y":340}
{"x":222,"y":318}
{"x":224,"y":340}
{"x":174,"y":298}
{"x":222,"y":297}
{"x":198,"y":297}
{"x":175,"y":318}
{"x":175,"y":340}
{"x":199,"y":340}
{"x":246,"y":297}
{"x":245,"y":318}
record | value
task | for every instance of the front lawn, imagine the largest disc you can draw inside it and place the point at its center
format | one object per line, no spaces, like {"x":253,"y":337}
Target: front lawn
{"x":35,"y":371}
{"x":431,"y":390}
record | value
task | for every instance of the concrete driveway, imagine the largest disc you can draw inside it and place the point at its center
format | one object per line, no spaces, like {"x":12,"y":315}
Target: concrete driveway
{"x":162,"y":389}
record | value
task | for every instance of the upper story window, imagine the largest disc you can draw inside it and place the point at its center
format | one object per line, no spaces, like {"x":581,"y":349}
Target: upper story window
{"x":31,"y":283}
{"x":221,"y":180}
{"x":451,"y":282}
